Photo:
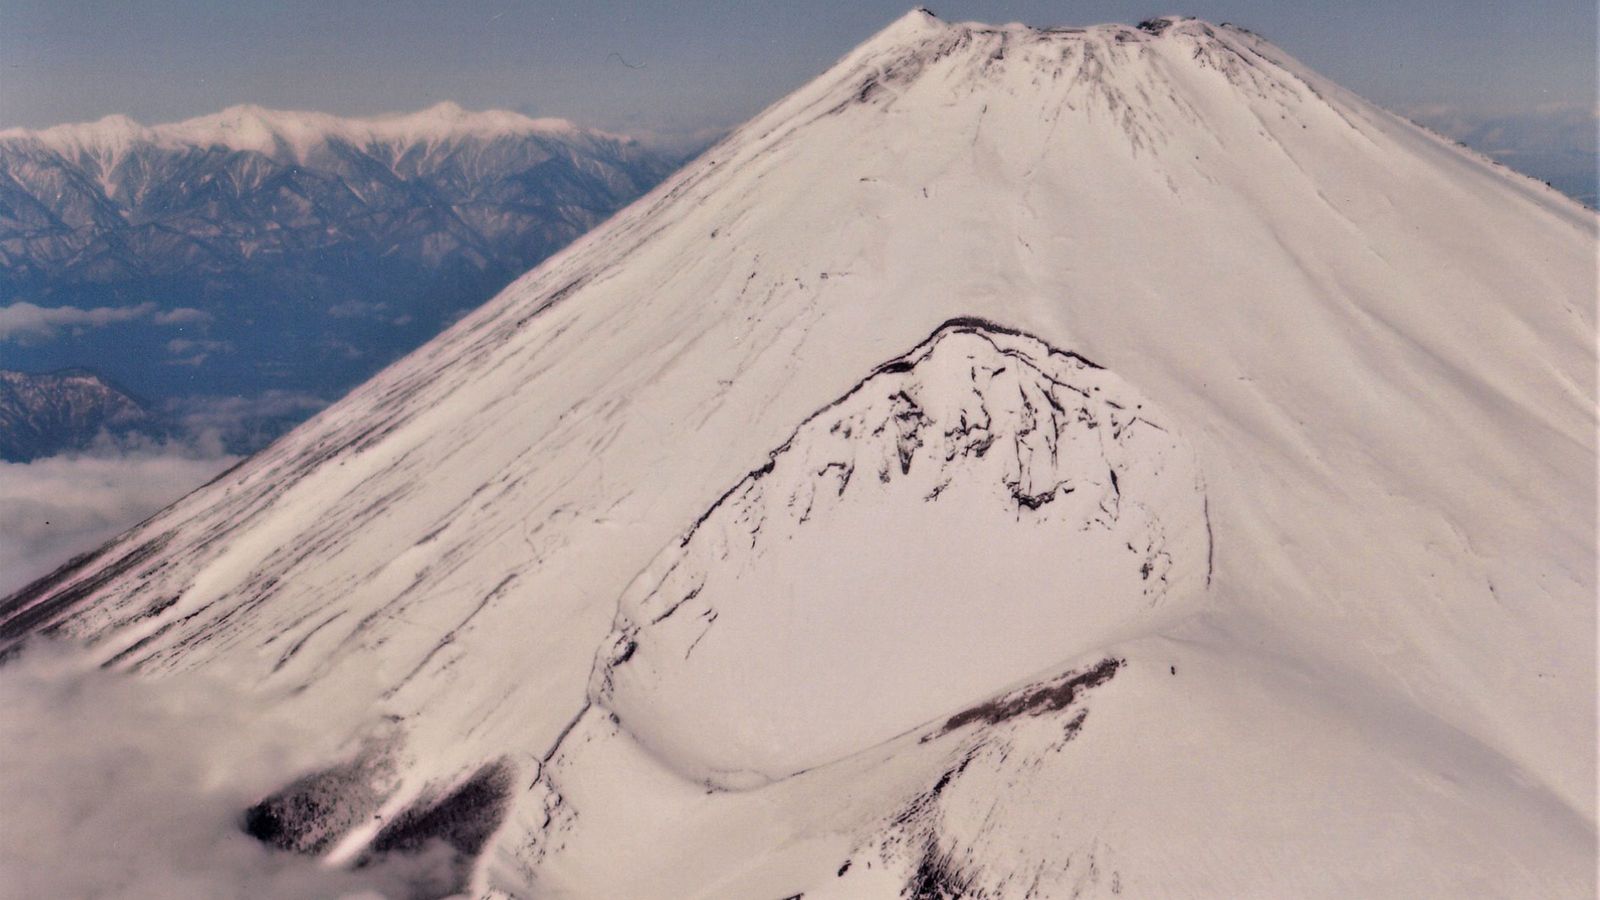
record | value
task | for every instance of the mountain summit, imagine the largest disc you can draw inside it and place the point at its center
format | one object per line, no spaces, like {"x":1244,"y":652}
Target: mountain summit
{"x":1021,"y":462}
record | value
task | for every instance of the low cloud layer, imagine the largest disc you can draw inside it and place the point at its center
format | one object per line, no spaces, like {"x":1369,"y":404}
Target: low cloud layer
{"x":28,"y":321}
{"x":61,"y":506}
{"x":117,"y":786}
{"x":194,"y":352}
{"x":239,"y":422}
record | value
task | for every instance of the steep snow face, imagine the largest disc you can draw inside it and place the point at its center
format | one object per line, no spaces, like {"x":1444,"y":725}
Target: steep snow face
{"x":1377,"y":348}
{"x":983,"y":476}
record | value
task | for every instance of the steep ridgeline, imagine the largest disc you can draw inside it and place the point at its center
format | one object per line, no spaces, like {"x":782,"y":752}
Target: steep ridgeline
{"x":1223,"y":524}
{"x":54,"y":412}
{"x":991,"y":477}
{"x":298,"y":237}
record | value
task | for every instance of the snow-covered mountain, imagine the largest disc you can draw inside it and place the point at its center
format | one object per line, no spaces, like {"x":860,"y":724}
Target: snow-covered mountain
{"x":42,"y":414}
{"x":312,"y":249}
{"x":1020,"y":463}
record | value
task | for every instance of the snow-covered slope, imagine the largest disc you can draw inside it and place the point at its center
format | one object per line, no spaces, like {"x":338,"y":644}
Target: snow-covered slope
{"x":677,"y":570}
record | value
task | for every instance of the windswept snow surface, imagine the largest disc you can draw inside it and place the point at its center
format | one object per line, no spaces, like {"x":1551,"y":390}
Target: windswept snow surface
{"x":1342,"y":379}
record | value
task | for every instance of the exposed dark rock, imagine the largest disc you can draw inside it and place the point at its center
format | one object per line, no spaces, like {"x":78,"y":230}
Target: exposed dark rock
{"x":310,"y":814}
{"x":939,"y":877}
{"x":1049,"y":697}
{"x":463,"y":820}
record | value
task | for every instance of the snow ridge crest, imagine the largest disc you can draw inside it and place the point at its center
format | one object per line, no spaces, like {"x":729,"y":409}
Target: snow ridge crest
{"x":293,"y":133}
{"x":983,"y":470}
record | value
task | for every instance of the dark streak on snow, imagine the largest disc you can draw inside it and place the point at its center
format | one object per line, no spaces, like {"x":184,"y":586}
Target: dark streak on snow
{"x":924,"y":801}
{"x":450,"y":636}
{"x":1049,"y":697}
{"x":958,"y":325}
{"x":30,"y":609}
{"x":939,"y":876}
{"x":939,"y":873}
{"x":300,"y":644}
{"x":692,"y":593}
{"x":1034,"y":501}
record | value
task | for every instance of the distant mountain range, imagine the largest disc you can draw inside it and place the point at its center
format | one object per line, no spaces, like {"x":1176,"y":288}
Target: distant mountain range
{"x":41,"y":415}
{"x":256,"y":250}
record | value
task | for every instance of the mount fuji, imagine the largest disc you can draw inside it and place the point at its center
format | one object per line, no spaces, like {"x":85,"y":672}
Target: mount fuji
{"x":1062,"y":462}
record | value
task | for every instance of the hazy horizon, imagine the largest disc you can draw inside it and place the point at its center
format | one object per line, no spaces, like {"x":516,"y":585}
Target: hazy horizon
{"x":697,"y":66}
{"x":1517,"y":83}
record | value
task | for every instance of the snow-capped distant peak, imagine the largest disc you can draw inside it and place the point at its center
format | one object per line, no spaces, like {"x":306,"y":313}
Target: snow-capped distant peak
{"x":294,"y":133}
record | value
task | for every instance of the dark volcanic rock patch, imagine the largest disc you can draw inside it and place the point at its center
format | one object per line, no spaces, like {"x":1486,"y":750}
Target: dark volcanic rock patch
{"x":312,"y":813}
{"x":1049,"y":697}
{"x":462,"y":820}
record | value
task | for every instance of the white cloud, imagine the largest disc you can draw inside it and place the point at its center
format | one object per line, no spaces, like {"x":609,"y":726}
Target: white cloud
{"x":1545,"y":128}
{"x":680,"y":142}
{"x":60,"y":506}
{"x":116,"y":786}
{"x":20,"y":320}
{"x":1556,"y":143}
{"x":24,"y":320}
{"x":342,"y":347}
{"x":183,"y":315}
{"x":232,"y":418}
{"x":197,"y":351}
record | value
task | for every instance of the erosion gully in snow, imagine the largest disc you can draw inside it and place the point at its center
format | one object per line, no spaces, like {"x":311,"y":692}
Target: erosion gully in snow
{"x":1220,"y":524}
